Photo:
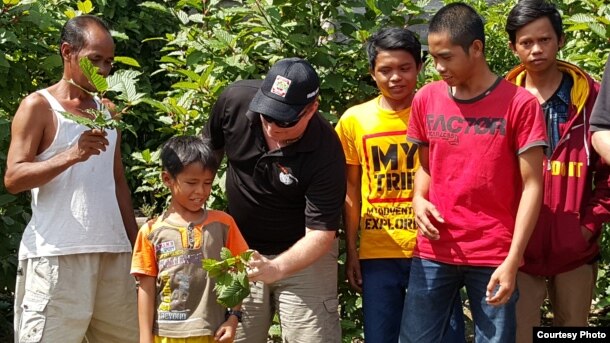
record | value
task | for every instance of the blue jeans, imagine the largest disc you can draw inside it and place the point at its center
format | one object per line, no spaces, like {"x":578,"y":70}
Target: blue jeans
{"x":384,"y":285}
{"x":434,"y":286}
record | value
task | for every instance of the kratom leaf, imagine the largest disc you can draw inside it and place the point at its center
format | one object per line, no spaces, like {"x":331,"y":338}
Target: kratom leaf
{"x":91,"y":73}
{"x":232,"y":284}
{"x":231,"y":295}
{"x":124,"y":83}
{"x":225,"y":253}
{"x":127,"y":60}
{"x":80,"y":120}
{"x":155,"y":6}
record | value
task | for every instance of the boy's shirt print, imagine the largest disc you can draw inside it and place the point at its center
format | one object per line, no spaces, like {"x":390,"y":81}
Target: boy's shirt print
{"x":375,"y":139}
{"x":185,"y":302}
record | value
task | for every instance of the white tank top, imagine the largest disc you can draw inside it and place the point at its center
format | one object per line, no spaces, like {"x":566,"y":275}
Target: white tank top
{"x":77,"y":211}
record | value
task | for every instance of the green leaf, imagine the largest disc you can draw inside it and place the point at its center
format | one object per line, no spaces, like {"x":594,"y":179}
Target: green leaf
{"x":127,"y":60}
{"x":231,"y":295}
{"x":189,"y":73}
{"x":197,"y":18}
{"x":3,"y":62}
{"x":225,"y":253}
{"x":186,"y":85}
{"x":6,"y":198}
{"x":156,"y":104}
{"x":91,"y":73}
{"x":582,"y":18}
{"x":183,"y":17}
{"x":194,"y":58}
{"x":599,"y":29}
{"x":124,"y":83}
{"x":119,"y":35}
{"x":80,"y":120}
{"x":232,"y":284}
{"x":155,"y":6}
{"x":51,"y":62}
{"x":224,"y":37}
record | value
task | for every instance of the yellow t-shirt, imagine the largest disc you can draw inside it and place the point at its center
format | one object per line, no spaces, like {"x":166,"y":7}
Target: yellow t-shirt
{"x":376,"y":139}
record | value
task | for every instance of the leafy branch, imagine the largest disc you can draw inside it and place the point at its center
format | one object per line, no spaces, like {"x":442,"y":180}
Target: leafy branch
{"x":232,"y":284}
{"x":123,"y":82}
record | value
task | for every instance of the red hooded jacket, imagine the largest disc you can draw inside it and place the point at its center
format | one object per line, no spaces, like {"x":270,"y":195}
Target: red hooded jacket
{"x":576,"y":187}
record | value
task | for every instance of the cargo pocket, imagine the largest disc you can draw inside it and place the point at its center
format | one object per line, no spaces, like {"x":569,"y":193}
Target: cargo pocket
{"x":332,"y":327}
{"x":331,"y":305}
{"x":33,"y":317}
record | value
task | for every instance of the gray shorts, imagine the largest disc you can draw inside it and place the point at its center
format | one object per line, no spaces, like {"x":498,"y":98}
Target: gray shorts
{"x":76,"y":298}
{"x":306,"y":303}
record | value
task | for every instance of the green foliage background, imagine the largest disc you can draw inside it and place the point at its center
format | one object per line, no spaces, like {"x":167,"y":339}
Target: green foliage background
{"x":187,"y":51}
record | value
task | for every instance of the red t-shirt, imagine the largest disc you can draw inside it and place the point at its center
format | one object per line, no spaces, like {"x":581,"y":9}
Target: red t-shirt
{"x":474,"y":167}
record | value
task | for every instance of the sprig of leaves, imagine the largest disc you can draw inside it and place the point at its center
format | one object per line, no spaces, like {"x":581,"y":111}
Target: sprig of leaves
{"x":232,"y":284}
{"x":123,"y":82}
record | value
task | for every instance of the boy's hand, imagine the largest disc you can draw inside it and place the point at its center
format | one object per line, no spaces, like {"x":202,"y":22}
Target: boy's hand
{"x":502,"y":284}
{"x":423,"y":209}
{"x":226,"y":331}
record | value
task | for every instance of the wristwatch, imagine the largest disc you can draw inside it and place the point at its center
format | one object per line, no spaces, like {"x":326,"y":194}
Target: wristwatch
{"x":235,"y":313}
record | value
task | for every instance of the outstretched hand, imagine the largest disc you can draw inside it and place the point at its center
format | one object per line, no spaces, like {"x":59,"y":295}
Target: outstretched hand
{"x":262,"y":269}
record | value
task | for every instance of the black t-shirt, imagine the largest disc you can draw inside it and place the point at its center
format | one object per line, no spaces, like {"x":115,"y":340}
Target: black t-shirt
{"x":274,"y":195}
{"x":600,"y":116}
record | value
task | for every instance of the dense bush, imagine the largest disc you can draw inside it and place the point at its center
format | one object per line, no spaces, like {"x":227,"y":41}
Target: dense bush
{"x":189,"y":50}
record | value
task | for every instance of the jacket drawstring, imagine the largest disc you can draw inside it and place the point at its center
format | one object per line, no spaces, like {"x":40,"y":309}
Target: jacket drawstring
{"x":587,"y":152}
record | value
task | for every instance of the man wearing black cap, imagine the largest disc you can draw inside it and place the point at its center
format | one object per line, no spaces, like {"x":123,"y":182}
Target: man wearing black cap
{"x":286,"y":188}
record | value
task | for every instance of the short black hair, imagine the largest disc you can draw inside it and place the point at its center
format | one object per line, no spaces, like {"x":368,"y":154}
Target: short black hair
{"x":526,"y":11}
{"x":181,"y":151}
{"x":393,"y":38}
{"x":74,"y":31}
{"x":461,"y":22}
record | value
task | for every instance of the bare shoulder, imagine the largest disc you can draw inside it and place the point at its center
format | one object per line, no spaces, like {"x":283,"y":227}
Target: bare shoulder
{"x":33,"y":128}
{"x":34,"y":111}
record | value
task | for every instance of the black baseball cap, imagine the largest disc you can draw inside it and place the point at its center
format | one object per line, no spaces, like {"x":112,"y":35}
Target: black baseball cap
{"x":290,"y":85}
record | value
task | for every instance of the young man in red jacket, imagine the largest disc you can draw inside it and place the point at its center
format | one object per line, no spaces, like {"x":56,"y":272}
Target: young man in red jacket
{"x":561,"y":254}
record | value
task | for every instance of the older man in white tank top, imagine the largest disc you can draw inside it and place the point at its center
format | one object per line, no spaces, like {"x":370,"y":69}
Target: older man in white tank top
{"x":73,"y":281}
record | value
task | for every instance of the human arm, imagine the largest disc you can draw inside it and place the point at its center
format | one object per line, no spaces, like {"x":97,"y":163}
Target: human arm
{"x":600,"y":117}
{"x":123,"y":195}
{"x":351,"y":220}
{"x":300,"y":255}
{"x":146,"y":304}
{"x":226,"y":331}
{"x":601,"y":143}
{"x":504,"y":277}
{"x":32,"y":131}
{"x":423,"y":208}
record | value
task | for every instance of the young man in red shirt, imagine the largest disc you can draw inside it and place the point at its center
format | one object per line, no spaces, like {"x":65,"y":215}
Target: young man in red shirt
{"x":479,"y":188}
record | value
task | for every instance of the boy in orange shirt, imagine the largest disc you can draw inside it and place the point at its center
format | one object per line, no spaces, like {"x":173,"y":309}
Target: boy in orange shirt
{"x":176,"y":301}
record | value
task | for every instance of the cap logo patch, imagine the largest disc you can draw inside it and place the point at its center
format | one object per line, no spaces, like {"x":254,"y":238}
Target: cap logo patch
{"x":280,"y":86}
